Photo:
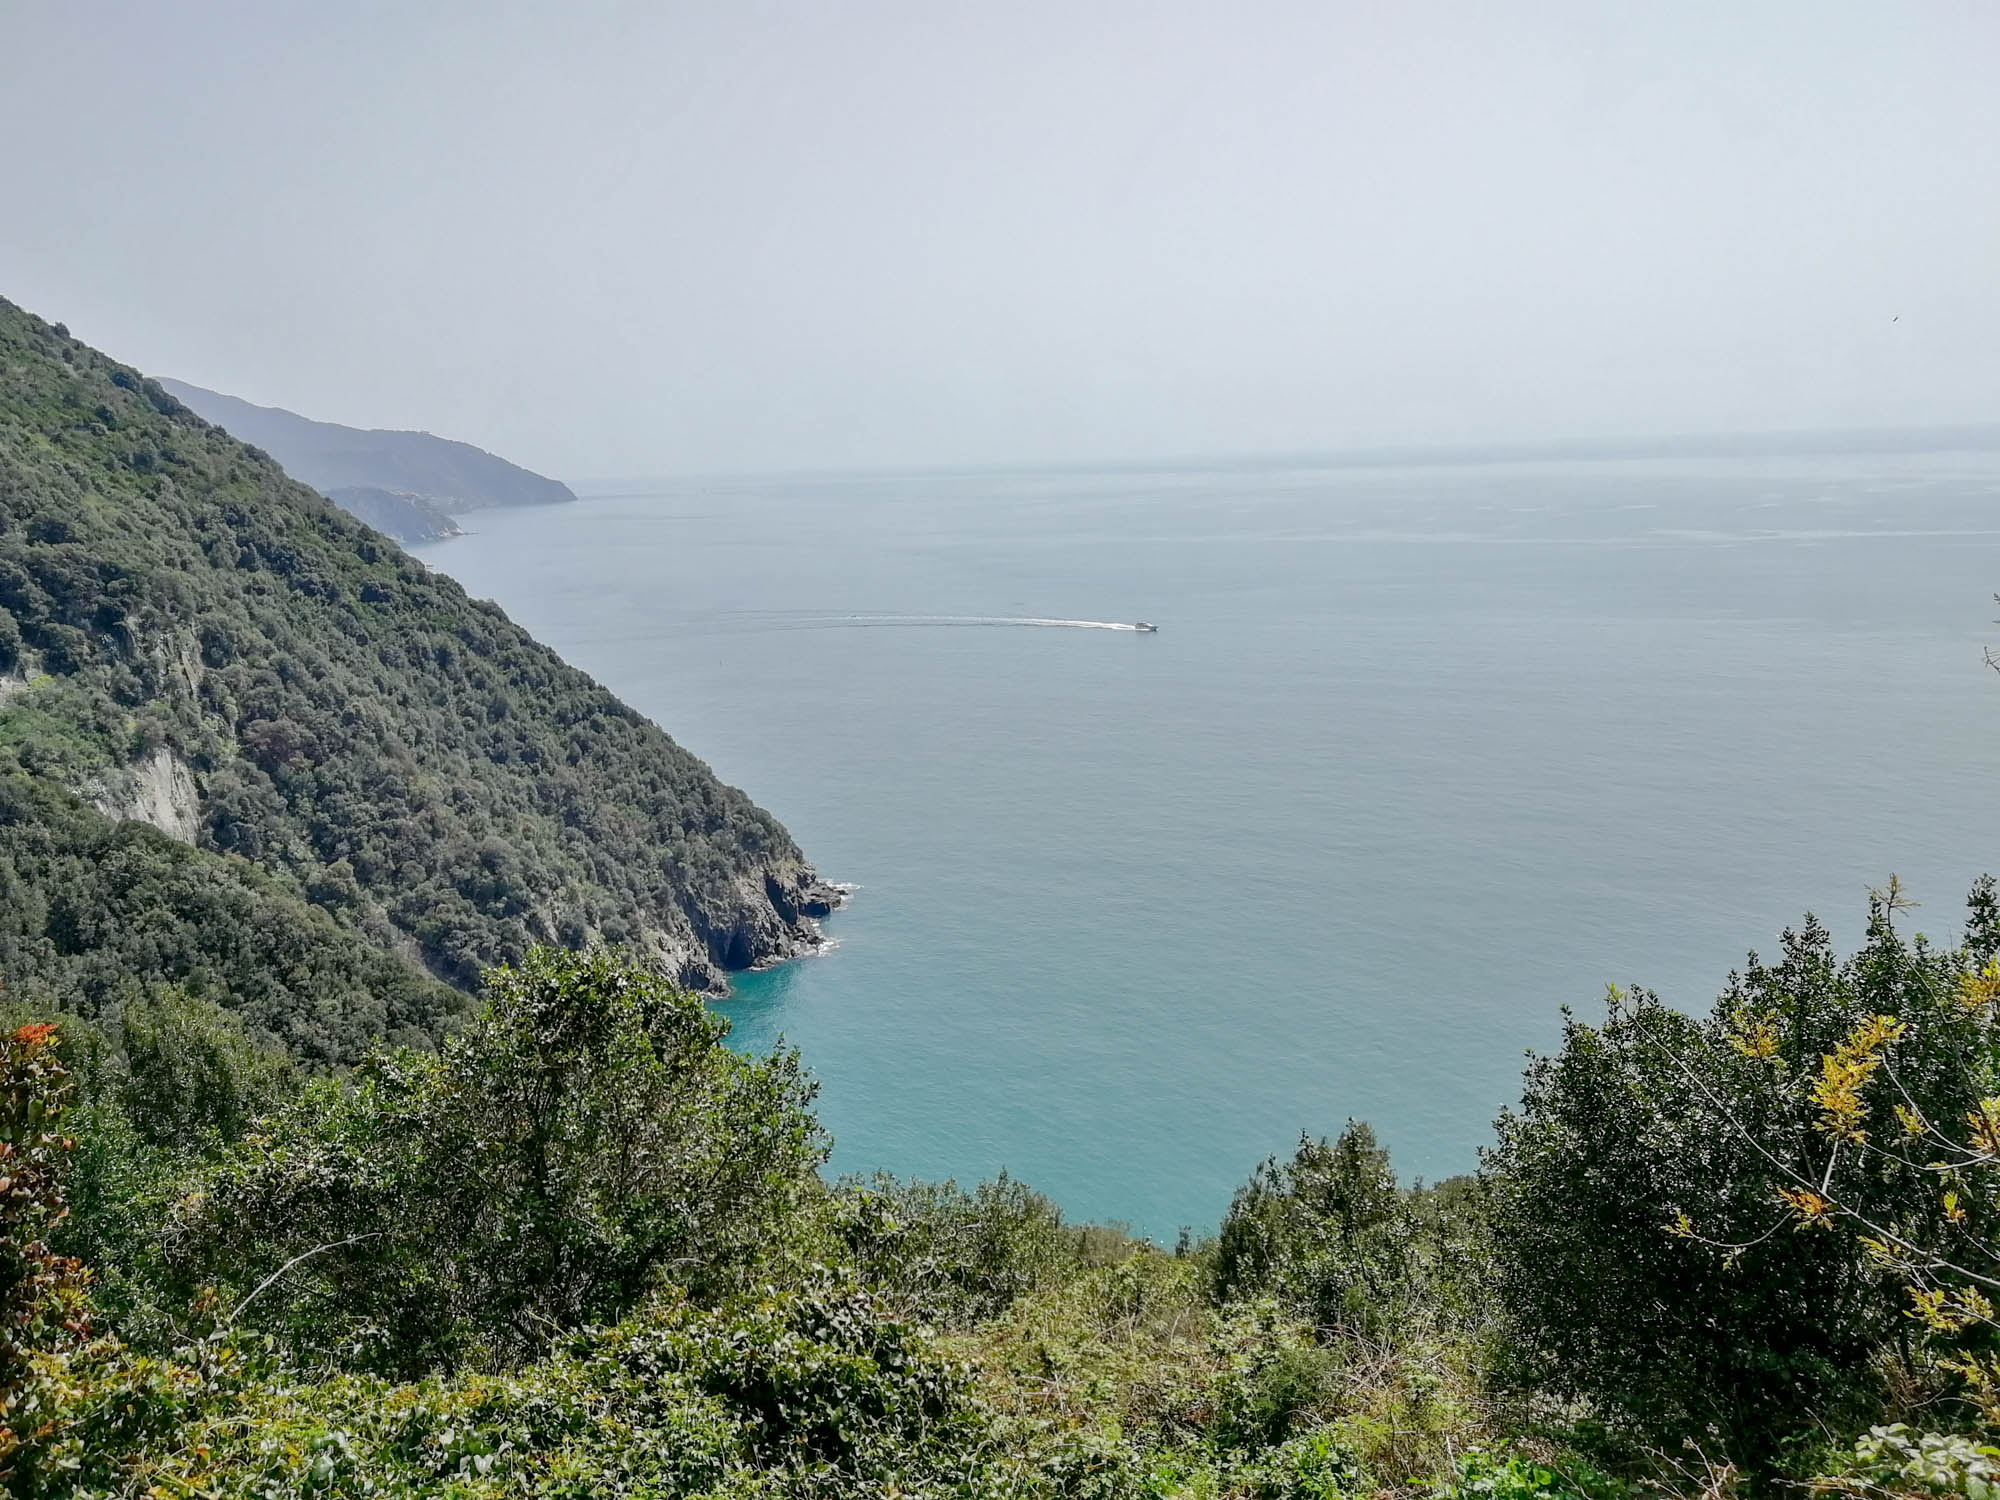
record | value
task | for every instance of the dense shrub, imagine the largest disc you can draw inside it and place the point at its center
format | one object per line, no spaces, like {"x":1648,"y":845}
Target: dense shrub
{"x":1328,"y":1230}
{"x":586,"y":1135}
{"x":1494,"y":1476}
{"x":41,"y":1292}
{"x":1650,"y":1256}
{"x":1895,"y":1461}
{"x":958,"y":1256}
{"x":190,"y":1074}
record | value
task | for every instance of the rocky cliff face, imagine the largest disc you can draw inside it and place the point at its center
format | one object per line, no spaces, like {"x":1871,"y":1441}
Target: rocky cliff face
{"x":763,"y":917}
{"x":158,"y":789}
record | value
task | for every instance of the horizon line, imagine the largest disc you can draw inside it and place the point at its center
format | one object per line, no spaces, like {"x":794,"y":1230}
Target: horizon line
{"x":1744,"y":443}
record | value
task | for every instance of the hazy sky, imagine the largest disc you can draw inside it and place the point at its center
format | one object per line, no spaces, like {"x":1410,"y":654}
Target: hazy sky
{"x":619,"y":239}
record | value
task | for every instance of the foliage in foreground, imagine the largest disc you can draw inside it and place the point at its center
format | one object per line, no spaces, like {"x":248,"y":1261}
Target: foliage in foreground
{"x":586,"y":1130}
{"x":1651,"y":1255}
{"x":584,"y":1249}
{"x":41,"y":1293}
{"x":812,"y":1391}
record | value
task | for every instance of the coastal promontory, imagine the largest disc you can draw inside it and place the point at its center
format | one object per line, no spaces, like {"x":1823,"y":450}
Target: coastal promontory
{"x":192,"y":637}
{"x":408,"y":484}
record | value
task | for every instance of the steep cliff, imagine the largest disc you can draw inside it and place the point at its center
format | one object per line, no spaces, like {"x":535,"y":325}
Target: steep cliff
{"x":192,"y":637}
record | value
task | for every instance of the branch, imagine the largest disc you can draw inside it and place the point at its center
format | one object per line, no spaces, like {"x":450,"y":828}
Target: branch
{"x":352,"y":1239}
{"x":1888,"y":1236}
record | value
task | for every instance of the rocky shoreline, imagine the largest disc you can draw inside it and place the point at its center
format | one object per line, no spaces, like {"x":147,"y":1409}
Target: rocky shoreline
{"x":764,"y":917}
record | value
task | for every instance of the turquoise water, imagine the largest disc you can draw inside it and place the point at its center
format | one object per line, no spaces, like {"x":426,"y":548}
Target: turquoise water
{"x":1418,"y":756}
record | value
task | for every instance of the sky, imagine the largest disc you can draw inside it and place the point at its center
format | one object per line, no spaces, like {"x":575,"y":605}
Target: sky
{"x":659,"y":238}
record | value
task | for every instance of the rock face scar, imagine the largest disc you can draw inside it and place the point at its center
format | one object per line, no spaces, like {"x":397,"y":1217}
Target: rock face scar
{"x":158,"y":789}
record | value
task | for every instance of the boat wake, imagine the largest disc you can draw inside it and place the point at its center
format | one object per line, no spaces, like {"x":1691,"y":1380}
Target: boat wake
{"x":802,"y":619}
{"x":867,"y":621}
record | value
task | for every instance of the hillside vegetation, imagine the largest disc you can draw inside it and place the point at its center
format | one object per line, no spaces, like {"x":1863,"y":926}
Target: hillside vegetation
{"x":97,"y":915}
{"x":188,"y":636}
{"x":584,"y":1250}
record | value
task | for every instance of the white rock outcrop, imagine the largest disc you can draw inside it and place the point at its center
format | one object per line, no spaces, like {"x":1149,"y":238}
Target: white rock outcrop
{"x":157,"y":789}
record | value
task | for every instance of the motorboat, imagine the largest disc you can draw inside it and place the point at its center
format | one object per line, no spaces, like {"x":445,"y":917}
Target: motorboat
{"x":1150,"y":629}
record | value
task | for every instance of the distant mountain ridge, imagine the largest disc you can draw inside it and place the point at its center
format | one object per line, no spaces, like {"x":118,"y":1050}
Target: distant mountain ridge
{"x":408,"y":484}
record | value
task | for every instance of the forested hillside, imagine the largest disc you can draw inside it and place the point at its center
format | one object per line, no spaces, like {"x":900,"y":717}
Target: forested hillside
{"x":583,"y":1249}
{"x":406,"y":517}
{"x":98,"y":915}
{"x":188,"y":636}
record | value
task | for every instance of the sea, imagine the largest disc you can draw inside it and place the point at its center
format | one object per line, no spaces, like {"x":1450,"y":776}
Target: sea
{"x":1425,"y":752}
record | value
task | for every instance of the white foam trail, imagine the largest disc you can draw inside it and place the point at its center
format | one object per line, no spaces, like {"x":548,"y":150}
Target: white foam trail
{"x":865,"y":620}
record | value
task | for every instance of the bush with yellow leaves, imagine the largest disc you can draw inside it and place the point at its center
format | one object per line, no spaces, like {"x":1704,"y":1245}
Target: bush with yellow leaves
{"x":1706,"y":1229}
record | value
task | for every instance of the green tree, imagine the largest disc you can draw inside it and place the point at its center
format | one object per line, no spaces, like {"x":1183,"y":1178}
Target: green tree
{"x":41,"y":1292}
{"x":588,"y":1136}
{"x":191,"y":1074}
{"x":1649,"y":1195}
{"x":1329,"y":1230}
{"x":961,"y":1256}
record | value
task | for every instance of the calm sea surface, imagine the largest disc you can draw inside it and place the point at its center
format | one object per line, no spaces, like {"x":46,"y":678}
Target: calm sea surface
{"x":1418,"y":756}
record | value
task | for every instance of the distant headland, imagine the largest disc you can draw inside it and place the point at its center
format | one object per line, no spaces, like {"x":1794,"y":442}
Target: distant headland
{"x":408,"y":484}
